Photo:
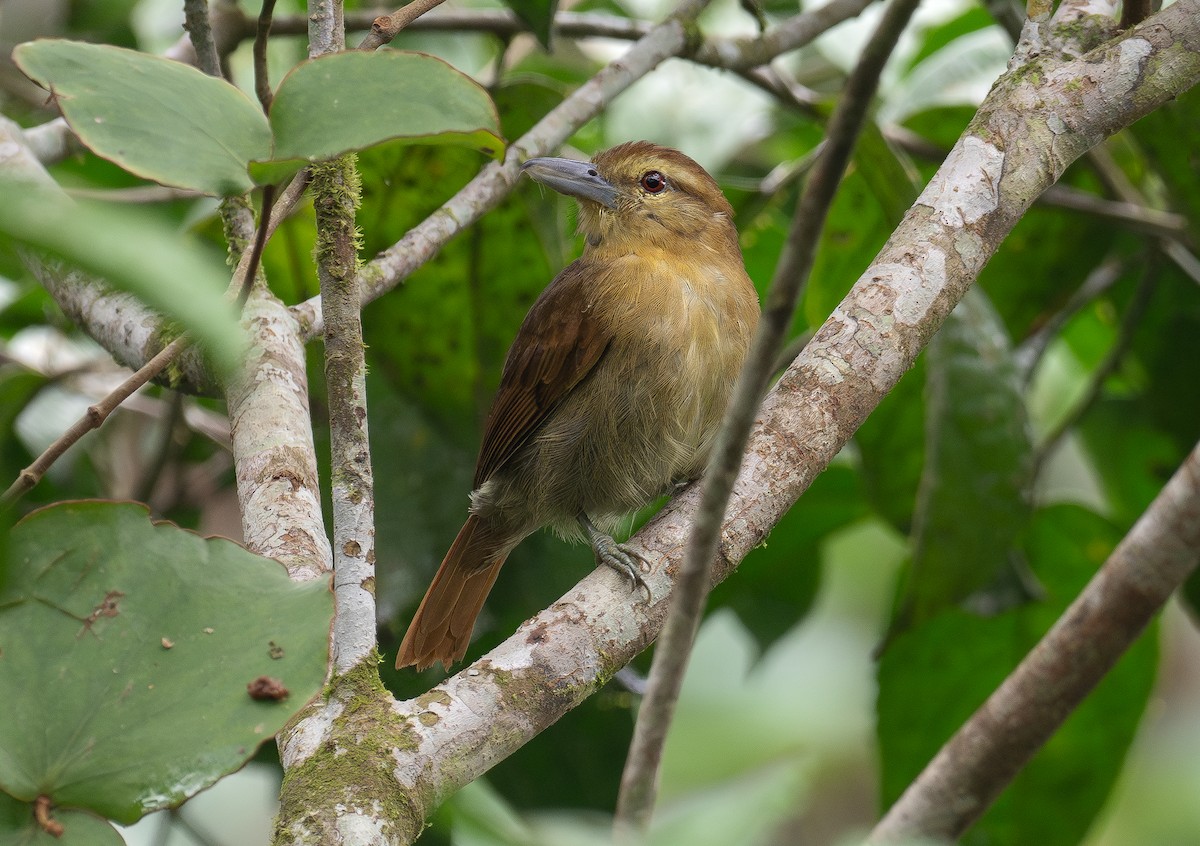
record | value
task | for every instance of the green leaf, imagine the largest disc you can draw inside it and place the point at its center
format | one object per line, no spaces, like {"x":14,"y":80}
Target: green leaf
{"x":892,"y":178}
{"x":537,"y":14}
{"x":128,"y":647}
{"x":933,"y":677}
{"x":349,"y":101}
{"x":1177,"y":165}
{"x":779,"y":580}
{"x":18,"y":388}
{"x":972,"y":505}
{"x":159,"y":119}
{"x":938,"y":37}
{"x":856,"y":229}
{"x":133,"y":252}
{"x":892,"y":445}
{"x":481,"y":817}
{"x":19,"y":828}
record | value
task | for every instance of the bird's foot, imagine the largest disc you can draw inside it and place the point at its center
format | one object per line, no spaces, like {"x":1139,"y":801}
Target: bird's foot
{"x":617,"y":556}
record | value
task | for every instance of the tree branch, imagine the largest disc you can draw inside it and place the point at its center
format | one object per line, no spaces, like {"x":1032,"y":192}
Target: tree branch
{"x":271,"y":429}
{"x":199,"y":30}
{"x":336,"y":189}
{"x":975,"y":765}
{"x":386,"y":27}
{"x":273,"y":448}
{"x":326,"y":27}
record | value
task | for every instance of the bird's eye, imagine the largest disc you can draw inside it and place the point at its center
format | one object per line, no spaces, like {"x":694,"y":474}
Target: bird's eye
{"x":653,"y":181}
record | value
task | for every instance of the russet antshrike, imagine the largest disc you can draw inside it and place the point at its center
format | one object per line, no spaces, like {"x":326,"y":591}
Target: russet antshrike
{"x":615,"y":385}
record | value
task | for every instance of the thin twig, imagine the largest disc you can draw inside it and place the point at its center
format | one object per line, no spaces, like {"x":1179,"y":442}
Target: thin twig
{"x":262,"y":32}
{"x":93,"y":418}
{"x":386,"y":27}
{"x":260,"y":243}
{"x":491,"y":22}
{"x":792,"y":349}
{"x":788,"y":91}
{"x":1136,"y":217}
{"x":1115,"y":180}
{"x":195,"y":17}
{"x":1130,"y":320}
{"x":790,"y":34}
{"x":983,"y":757}
{"x":639,"y":779}
{"x":1098,"y":282}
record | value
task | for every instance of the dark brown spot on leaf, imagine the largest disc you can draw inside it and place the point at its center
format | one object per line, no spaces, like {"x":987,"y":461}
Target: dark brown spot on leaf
{"x":267,"y":689}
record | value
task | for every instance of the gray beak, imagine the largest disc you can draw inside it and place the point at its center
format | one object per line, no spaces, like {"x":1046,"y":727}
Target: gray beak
{"x":575,"y":179}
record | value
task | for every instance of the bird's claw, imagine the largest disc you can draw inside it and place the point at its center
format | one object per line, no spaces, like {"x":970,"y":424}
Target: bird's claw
{"x":625,"y":560}
{"x":617,"y":556}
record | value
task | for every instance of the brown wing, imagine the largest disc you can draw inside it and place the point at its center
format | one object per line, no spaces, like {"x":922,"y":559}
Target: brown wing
{"x":558,"y":344}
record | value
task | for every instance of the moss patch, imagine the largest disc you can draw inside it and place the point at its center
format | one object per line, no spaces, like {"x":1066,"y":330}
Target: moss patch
{"x":354,"y":769}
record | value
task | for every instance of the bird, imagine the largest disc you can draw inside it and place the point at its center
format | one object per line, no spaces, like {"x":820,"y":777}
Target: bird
{"x":615,"y":385}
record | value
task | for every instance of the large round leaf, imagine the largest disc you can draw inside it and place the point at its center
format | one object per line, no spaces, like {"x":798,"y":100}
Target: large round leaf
{"x":127,"y":648}
{"x":19,"y":827}
{"x":354,"y":100}
{"x":156,"y":118}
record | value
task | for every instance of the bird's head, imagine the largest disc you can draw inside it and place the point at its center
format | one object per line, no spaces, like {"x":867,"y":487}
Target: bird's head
{"x":641,"y":193}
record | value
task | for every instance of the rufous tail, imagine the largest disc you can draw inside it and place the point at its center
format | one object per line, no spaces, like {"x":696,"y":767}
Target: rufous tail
{"x":441,"y":628}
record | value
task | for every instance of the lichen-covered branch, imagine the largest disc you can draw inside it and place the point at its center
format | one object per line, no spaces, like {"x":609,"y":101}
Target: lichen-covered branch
{"x":272,"y":443}
{"x":336,"y":188}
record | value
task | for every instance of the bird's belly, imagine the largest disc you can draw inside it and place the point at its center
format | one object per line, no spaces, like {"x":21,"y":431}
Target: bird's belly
{"x":642,"y":422}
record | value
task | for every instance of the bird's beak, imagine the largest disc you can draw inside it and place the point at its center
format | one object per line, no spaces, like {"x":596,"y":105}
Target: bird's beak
{"x":575,"y":179}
